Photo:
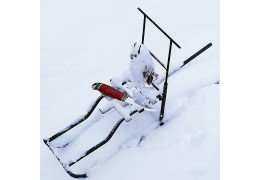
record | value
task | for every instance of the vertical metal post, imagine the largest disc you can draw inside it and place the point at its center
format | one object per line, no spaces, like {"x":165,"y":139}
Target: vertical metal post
{"x":165,"y":86}
{"x":143,"y":29}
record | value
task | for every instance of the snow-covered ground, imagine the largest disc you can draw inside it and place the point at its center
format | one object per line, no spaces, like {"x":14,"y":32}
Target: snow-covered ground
{"x":83,"y":42}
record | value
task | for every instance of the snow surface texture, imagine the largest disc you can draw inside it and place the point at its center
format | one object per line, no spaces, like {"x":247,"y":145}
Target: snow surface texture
{"x":83,"y":42}
{"x":140,"y":60}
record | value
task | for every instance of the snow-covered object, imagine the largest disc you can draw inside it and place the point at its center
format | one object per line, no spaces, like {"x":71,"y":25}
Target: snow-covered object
{"x":187,"y":147}
{"x":141,"y":63}
{"x":123,"y":112}
{"x":116,"y":94}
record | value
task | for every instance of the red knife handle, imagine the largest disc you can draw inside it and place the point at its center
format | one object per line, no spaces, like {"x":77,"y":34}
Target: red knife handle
{"x":110,"y":91}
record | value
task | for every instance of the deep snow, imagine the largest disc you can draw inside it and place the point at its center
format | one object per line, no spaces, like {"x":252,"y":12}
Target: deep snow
{"x":83,"y":42}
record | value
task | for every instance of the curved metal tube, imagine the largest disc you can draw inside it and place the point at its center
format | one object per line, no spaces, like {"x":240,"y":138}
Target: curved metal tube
{"x":93,"y":106}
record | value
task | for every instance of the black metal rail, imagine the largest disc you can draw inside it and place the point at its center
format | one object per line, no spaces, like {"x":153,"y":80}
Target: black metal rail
{"x":165,"y":86}
{"x":89,"y":151}
{"x":93,"y":106}
{"x":187,"y":61}
{"x":196,"y":54}
{"x":63,"y":165}
{"x":156,"y":25}
{"x":168,"y":63}
{"x":158,"y":60}
{"x":112,"y":132}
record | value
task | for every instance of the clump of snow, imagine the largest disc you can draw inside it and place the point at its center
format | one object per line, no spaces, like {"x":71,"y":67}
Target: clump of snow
{"x":140,"y":60}
{"x":123,"y":112}
{"x":116,"y":82}
{"x":106,"y":107}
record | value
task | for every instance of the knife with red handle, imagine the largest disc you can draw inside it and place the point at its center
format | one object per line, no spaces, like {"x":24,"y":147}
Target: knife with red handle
{"x":116,"y":94}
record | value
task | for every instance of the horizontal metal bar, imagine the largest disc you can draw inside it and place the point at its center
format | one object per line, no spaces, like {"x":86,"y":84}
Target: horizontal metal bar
{"x":159,"y":28}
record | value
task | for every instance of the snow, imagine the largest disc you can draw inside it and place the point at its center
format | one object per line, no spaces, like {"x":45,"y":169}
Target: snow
{"x":123,"y":112}
{"x":85,"y":42}
{"x":140,"y":61}
{"x":186,"y":148}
